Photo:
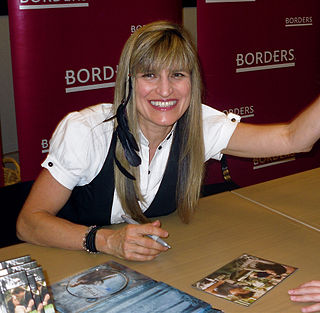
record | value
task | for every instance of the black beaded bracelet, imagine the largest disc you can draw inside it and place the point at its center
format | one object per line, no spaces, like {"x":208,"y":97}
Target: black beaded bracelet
{"x":88,"y":242}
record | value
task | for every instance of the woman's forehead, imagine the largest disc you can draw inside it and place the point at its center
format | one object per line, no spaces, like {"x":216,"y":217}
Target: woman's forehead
{"x":173,"y":69}
{"x":158,"y":66}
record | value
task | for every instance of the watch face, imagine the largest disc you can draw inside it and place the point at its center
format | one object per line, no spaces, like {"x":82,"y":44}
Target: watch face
{"x":97,"y":284}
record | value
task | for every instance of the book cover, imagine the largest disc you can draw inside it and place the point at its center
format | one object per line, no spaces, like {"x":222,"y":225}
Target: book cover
{"x":24,"y":266}
{"x":15,"y":261}
{"x":112,"y":287}
{"x":39,"y":286}
{"x":23,"y":287}
{"x":16,"y":292}
{"x":245,"y":279}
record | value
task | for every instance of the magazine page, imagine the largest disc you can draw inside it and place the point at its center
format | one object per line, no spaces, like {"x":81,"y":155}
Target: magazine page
{"x":245,"y":279}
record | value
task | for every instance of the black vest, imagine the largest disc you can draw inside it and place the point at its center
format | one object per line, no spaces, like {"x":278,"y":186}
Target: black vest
{"x":91,"y":204}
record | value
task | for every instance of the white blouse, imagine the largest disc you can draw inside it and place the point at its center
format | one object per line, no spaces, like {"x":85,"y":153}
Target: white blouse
{"x":81,"y":141}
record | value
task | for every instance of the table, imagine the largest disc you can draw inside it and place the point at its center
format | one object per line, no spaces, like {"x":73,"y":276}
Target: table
{"x":224,"y":227}
{"x":297,"y":196}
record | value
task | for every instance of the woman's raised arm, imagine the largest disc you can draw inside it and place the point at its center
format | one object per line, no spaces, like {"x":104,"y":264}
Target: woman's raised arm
{"x":299,"y":135}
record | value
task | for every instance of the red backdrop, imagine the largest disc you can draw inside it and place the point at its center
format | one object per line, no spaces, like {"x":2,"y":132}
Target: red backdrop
{"x":260,"y":60}
{"x":64,"y":57}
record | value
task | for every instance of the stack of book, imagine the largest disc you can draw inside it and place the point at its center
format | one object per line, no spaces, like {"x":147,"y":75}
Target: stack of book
{"x":23,"y":287}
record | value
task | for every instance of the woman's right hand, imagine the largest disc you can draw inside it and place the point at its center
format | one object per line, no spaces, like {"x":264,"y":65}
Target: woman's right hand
{"x":130,"y":241}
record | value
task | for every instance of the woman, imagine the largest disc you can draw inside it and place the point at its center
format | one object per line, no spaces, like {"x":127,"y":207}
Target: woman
{"x":148,"y":160}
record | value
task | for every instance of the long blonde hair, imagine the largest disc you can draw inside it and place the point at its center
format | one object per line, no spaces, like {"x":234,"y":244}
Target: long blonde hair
{"x":156,"y":46}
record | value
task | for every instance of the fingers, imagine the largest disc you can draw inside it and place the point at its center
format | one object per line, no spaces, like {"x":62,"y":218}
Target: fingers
{"x":311,"y":288}
{"x":131,"y":243}
{"x":136,"y":234}
{"x":311,"y":308}
{"x":308,"y":292}
{"x":314,"y":283}
{"x":311,"y":297}
{"x":153,"y":229}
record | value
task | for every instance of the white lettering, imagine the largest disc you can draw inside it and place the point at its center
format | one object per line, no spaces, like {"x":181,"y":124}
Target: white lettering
{"x":93,"y":75}
{"x":44,"y":144}
{"x":70,"y":79}
{"x":265,"y":57}
{"x":298,"y":20}
{"x":261,"y":161}
{"x":135,"y":27}
{"x":242,"y":111}
{"x":87,"y":75}
{"x":105,"y":70}
{"x":240,"y":60}
{"x":96,"y":74}
{"x":291,"y":54}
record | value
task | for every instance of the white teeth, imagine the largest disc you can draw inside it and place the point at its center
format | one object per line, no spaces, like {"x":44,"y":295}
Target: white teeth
{"x":163,"y":104}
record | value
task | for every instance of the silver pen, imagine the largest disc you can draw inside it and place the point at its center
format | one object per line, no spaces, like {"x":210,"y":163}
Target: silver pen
{"x":129,"y":220}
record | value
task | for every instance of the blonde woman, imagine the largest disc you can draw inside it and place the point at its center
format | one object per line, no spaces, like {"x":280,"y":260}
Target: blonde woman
{"x":144,"y":154}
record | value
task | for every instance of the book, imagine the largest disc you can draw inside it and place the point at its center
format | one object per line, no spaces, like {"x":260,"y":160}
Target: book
{"x":40,"y":289}
{"x":112,"y":287}
{"x":245,"y":279}
{"x":23,"y":287}
{"x":15,"y":261}
{"x":17,"y":294}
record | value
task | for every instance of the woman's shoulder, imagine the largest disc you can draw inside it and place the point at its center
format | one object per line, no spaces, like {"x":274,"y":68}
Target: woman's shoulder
{"x":208,"y":111}
{"x":210,"y":114}
{"x":87,"y":121}
{"x":87,"y":126}
{"x":79,"y":145}
{"x":91,"y":115}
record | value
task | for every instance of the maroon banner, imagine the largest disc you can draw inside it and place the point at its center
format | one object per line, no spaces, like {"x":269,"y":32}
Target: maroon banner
{"x":260,"y":59}
{"x":64,"y":57}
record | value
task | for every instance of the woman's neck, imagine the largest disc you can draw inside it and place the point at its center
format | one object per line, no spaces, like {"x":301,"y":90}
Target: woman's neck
{"x":155,"y":136}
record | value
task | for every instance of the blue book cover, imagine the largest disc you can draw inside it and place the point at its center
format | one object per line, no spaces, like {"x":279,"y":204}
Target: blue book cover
{"x":112,"y":287}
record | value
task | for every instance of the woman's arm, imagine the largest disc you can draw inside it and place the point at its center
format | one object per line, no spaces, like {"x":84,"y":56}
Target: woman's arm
{"x":38,"y":224}
{"x":299,"y":135}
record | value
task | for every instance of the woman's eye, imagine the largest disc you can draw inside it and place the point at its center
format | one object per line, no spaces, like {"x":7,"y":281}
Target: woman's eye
{"x":178,"y":74}
{"x":148,"y":75}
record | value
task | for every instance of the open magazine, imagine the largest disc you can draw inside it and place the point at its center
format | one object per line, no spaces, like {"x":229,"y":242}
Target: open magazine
{"x":245,"y":279}
{"x":115,"y":288}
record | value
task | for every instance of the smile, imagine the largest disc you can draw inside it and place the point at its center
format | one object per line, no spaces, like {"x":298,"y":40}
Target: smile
{"x":163,"y":104}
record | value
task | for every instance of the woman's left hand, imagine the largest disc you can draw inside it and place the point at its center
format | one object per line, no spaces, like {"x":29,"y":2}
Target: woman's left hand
{"x":308,"y":292}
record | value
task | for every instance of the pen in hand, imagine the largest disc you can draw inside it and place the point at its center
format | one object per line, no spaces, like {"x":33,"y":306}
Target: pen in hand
{"x":129,"y":220}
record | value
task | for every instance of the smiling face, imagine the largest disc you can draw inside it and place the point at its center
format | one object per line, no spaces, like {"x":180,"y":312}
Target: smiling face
{"x":163,"y":65}
{"x":161,"y":98}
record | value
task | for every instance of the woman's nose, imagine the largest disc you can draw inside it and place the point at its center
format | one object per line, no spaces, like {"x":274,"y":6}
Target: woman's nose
{"x":164,"y":87}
